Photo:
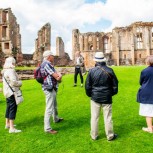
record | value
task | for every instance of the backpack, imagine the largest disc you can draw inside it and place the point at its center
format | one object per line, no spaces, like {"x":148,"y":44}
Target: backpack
{"x":38,"y":76}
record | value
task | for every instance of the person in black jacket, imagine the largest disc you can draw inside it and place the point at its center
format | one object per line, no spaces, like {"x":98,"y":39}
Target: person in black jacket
{"x":145,"y":94}
{"x":101,"y":84}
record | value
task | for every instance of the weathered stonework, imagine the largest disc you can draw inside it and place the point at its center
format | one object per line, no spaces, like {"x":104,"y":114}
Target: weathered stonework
{"x":123,"y":46}
{"x":60,"y":47}
{"x":42,"y":43}
{"x":10,"y":38}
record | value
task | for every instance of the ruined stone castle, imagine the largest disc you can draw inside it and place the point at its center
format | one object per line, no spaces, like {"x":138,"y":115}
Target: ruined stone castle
{"x":42,"y":43}
{"x":10,"y":38}
{"x":123,"y":46}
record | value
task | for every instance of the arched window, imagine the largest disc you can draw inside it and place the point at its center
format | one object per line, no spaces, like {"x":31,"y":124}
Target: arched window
{"x":90,"y":38}
{"x":124,"y":56}
{"x":139,"y":55}
{"x":105,"y":45}
{"x":139,"y":38}
{"x":97,"y":44}
{"x":139,"y":41}
{"x":91,"y":47}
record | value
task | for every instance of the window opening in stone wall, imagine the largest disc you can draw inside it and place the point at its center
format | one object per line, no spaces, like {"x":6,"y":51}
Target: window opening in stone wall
{"x":4,"y":31}
{"x":124,"y":56}
{"x":7,"y":16}
{"x":97,"y":44}
{"x":90,"y":38}
{"x":139,"y":55}
{"x":139,"y":41}
{"x":91,"y":47}
{"x":152,"y":34}
{"x":6,"y":46}
{"x":105,"y":45}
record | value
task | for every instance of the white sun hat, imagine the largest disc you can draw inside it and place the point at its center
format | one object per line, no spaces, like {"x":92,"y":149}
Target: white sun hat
{"x":99,"y":57}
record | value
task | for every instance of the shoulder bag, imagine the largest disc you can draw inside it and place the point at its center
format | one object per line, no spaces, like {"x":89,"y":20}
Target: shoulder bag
{"x":17,"y":94}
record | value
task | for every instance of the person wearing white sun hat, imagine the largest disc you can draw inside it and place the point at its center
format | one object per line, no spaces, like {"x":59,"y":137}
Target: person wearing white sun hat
{"x":101,"y":84}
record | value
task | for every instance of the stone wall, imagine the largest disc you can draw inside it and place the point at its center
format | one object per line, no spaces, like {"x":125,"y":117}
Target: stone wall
{"x":10,"y":38}
{"x":123,"y":46}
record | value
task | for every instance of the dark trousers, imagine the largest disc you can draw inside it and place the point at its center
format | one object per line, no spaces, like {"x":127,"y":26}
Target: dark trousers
{"x":11,"y":108}
{"x":78,"y":71}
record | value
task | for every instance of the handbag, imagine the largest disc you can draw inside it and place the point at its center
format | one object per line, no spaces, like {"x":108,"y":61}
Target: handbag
{"x":17,"y":94}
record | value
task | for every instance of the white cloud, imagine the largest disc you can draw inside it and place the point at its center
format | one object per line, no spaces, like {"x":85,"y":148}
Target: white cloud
{"x":66,"y":15}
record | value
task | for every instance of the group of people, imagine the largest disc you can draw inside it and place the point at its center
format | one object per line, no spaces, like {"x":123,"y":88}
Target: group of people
{"x":100,"y":85}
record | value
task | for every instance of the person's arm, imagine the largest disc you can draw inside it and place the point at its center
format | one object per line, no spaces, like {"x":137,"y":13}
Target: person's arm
{"x":14,"y":79}
{"x":57,"y":76}
{"x":114,"y":83}
{"x":51,"y":71}
{"x":88,"y":85}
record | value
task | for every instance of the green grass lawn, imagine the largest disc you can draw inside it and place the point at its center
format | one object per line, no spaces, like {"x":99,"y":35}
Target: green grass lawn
{"x":73,"y":133}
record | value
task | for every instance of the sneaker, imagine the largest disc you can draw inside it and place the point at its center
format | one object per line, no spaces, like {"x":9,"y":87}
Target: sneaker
{"x":74,"y":85}
{"x":81,"y":85}
{"x":51,"y":132}
{"x":113,"y":138}
{"x":14,"y":131}
{"x":147,"y":130}
{"x":59,"y":120}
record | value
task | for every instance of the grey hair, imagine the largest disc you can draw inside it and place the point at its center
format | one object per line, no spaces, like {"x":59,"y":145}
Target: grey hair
{"x":149,"y":60}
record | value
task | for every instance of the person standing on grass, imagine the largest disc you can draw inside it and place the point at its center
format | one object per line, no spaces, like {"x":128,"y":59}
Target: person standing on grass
{"x":79,"y":63}
{"x":101,"y":84}
{"x":10,"y":77}
{"x":145,"y":94}
{"x":50,"y":87}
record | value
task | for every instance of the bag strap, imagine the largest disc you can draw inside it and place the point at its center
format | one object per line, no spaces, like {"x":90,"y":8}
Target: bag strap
{"x":105,"y":72}
{"x":8,"y":85}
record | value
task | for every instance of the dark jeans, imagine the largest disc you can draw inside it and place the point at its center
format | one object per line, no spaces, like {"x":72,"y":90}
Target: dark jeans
{"x":11,"y":108}
{"x":78,"y":71}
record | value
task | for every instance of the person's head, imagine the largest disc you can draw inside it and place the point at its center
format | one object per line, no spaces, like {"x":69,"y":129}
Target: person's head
{"x":149,"y":60}
{"x":9,"y":63}
{"x":48,"y":55}
{"x":99,"y":57}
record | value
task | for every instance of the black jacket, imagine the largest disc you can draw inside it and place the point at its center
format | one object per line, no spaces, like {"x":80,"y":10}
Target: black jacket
{"x":100,"y":84}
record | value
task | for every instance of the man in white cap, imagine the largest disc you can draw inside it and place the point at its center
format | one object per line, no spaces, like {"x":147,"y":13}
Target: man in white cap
{"x":50,"y":86}
{"x":101,"y":84}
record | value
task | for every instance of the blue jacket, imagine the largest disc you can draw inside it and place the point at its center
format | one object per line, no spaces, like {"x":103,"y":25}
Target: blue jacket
{"x":145,"y":93}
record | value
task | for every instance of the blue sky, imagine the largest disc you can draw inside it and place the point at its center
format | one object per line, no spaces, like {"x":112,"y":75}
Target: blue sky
{"x":66,"y":15}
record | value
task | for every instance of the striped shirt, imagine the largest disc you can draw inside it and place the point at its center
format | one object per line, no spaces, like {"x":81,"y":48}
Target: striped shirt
{"x":47,"y":69}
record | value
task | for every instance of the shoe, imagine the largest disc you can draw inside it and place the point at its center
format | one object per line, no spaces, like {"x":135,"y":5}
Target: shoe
{"x":59,"y":120}
{"x":113,"y":138}
{"x":51,"y":132}
{"x":74,"y":85}
{"x":81,"y":85}
{"x":7,"y":126}
{"x":147,"y":130}
{"x":94,"y":138}
{"x":14,"y":131}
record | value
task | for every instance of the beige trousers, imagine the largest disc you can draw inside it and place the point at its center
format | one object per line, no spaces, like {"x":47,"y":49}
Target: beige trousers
{"x":107,"y":113}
